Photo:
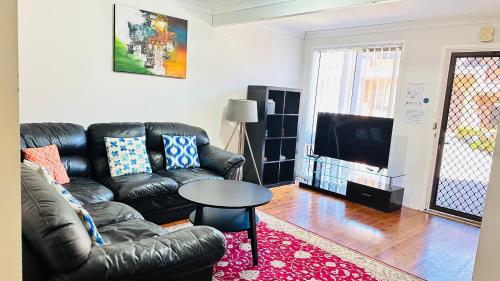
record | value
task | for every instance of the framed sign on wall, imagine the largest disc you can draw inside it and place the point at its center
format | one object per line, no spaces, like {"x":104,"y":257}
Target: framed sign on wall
{"x":149,"y":43}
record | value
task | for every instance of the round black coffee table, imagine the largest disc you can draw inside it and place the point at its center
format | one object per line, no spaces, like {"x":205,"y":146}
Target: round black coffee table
{"x":227,"y":205}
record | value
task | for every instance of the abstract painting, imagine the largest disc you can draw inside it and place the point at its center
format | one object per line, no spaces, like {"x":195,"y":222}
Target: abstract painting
{"x":149,"y":43}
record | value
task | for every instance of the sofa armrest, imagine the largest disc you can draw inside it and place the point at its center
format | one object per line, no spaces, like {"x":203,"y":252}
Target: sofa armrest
{"x":165,"y":257}
{"x":220,"y":161}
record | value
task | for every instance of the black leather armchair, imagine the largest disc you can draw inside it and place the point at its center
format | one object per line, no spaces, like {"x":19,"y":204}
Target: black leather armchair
{"x":56,"y":246}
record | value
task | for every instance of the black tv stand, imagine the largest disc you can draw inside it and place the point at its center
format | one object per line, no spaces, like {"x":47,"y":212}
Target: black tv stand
{"x":358,"y":183}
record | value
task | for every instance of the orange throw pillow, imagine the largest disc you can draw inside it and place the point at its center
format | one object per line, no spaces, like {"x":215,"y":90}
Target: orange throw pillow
{"x":48,"y":157}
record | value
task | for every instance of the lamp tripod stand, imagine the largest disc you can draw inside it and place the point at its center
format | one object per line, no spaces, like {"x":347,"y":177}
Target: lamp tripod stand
{"x":241,"y":147}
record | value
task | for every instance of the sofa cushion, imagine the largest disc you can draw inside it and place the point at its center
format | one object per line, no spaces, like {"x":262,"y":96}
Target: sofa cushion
{"x":74,"y":203}
{"x":161,"y":206}
{"x":50,"y":225}
{"x":180,"y":255}
{"x":97,"y":149}
{"x":184,"y":176}
{"x":154,"y":140}
{"x":127,"y":156}
{"x":135,"y":187}
{"x":132,"y":230}
{"x":88,"y":191}
{"x":70,"y":139}
{"x":110,"y":212}
{"x":84,"y":216}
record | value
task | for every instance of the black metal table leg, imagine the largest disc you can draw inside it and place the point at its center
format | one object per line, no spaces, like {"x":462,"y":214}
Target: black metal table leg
{"x":252,"y":233}
{"x":199,"y":214}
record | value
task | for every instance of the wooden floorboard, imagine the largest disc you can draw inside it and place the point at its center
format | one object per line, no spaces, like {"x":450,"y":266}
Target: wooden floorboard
{"x":428,"y":246}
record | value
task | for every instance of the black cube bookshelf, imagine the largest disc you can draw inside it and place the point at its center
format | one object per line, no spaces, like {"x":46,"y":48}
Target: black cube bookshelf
{"x":274,"y":137}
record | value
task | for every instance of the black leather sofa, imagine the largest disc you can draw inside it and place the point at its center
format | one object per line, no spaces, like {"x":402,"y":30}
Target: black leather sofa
{"x":56,"y":246}
{"x":125,"y":208}
{"x":154,"y":195}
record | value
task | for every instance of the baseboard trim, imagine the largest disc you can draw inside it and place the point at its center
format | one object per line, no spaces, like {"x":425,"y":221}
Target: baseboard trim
{"x":453,"y":217}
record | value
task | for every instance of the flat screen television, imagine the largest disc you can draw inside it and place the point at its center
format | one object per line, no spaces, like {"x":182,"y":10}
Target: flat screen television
{"x":354,"y":138}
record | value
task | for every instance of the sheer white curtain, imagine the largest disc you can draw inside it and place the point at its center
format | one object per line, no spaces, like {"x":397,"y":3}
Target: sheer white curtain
{"x":359,"y":81}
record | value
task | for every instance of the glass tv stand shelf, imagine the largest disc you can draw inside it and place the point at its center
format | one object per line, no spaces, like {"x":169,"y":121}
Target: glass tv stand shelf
{"x":378,"y":188}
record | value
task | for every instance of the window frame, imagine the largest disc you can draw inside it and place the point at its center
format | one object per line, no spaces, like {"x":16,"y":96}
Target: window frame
{"x":317,"y":52}
{"x":314,"y":64}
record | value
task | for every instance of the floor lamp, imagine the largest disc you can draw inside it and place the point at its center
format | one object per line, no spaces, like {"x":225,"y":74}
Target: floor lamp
{"x":243,"y":111}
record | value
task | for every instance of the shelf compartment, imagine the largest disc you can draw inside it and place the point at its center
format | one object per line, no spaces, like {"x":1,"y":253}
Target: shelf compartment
{"x":286,"y":173}
{"x":272,"y":150}
{"x":288,"y":148}
{"x":292,"y":102}
{"x":290,"y":123}
{"x":271,"y":173}
{"x":279,"y":99}
{"x":274,"y":126}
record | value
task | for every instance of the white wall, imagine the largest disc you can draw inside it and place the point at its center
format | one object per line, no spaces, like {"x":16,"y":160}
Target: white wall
{"x":66,"y":66}
{"x":488,"y":252}
{"x":10,"y":201}
{"x":424,"y":60}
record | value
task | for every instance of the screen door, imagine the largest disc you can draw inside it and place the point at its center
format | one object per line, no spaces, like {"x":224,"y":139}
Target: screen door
{"x":468,"y":134}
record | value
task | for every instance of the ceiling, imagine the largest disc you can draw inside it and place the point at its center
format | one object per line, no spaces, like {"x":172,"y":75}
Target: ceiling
{"x":385,"y":13}
{"x":299,"y":16}
{"x":221,"y":6}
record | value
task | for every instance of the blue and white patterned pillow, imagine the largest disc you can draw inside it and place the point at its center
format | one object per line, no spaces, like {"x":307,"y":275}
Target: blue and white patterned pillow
{"x":181,"y":152}
{"x":84,"y":216}
{"x":74,"y":203}
{"x":127,"y":156}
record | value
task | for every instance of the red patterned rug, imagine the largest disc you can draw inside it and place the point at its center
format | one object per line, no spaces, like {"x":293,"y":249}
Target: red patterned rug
{"x":290,"y":253}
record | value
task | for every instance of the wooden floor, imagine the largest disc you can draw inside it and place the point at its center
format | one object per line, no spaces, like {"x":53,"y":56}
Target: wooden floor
{"x":428,"y":246}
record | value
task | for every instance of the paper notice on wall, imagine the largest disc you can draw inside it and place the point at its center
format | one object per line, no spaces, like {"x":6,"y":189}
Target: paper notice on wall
{"x":415,"y":94}
{"x":415,"y":115}
{"x":415,"y":109}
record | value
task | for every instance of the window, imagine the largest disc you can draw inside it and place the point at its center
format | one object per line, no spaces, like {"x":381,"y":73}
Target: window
{"x":360,"y":81}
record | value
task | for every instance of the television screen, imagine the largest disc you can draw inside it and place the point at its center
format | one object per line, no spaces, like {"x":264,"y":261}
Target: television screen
{"x":354,"y":138}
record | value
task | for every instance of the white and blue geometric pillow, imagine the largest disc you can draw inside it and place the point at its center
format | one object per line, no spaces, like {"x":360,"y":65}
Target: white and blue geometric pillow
{"x":84,"y":216}
{"x":181,"y":152}
{"x":127,"y":156}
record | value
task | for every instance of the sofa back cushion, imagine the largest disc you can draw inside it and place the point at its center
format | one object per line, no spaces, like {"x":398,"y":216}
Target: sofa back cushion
{"x":50,"y":225}
{"x":154,"y":139}
{"x":70,"y":139}
{"x":97,"y":147}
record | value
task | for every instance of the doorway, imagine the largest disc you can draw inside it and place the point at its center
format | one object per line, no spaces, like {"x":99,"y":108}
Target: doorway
{"x":468,"y":134}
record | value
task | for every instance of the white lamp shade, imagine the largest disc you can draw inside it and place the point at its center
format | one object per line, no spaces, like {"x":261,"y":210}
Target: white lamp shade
{"x":241,"y":110}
